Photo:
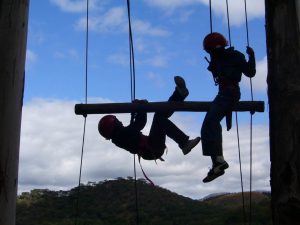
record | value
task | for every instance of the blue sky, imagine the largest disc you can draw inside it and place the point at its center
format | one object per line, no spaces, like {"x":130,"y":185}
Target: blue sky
{"x":167,"y":36}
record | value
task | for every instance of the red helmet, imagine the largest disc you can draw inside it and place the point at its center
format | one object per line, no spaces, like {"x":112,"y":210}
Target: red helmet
{"x":214,"y":40}
{"x":107,"y":125}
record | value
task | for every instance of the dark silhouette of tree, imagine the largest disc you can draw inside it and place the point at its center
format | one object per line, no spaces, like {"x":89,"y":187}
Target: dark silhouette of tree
{"x":112,"y":202}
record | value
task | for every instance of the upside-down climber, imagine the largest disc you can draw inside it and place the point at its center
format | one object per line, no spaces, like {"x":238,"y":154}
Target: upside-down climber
{"x":149,"y":147}
{"x":226,"y":66}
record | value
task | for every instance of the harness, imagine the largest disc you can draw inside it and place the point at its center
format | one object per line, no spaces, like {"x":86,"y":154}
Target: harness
{"x":143,"y":147}
{"x":231,"y":87}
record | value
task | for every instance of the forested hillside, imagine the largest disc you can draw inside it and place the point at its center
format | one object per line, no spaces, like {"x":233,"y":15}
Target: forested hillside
{"x":113,"y":203}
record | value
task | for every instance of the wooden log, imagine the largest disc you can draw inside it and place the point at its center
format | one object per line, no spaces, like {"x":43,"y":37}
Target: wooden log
{"x":188,"y":106}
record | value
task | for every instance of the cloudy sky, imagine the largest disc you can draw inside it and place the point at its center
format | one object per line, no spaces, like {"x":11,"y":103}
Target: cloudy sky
{"x":167,"y":36}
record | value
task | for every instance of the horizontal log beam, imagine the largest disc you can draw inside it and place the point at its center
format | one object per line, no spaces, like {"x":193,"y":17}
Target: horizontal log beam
{"x":187,"y":106}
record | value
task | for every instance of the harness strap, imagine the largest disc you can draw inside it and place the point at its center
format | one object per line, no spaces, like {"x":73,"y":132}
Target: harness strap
{"x":229,"y":120}
{"x":230,"y":86}
{"x":143,"y":145}
{"x":225,"y":83}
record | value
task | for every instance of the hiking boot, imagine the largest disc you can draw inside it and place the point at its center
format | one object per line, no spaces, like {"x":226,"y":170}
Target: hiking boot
{"x":216,"y":171}
{"x":180,"y":86}
{"x":189,"y":145}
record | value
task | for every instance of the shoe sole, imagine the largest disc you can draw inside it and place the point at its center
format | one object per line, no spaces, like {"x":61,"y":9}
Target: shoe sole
{"x":193,"y":146}
{"x":219,"y":171}
{"x":181,"y":86}
{"x":179,"y":81}
{"x":220,"y":168}
{"x":224,"y":167}
{"x":213,"y":178}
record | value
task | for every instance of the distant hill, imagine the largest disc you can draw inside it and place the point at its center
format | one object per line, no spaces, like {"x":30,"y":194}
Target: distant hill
{"x":235,"y":200}
{"x":113,"y":203}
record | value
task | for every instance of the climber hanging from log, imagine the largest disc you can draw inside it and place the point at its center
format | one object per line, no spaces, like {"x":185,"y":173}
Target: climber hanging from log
{"x":153,"y":146}
{"x":227,"y":66}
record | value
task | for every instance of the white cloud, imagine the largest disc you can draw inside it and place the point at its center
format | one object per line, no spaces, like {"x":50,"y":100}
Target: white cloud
{"x":119,"y":59}
{"x":156,"y":61}
{"x":51,"y":147}
{"x":255,"y":8}
{"x":70,"y":53}
{"x":115,"y":20}
{"x":156,"y":78}
{"x":172,"y":4}
{"x":145,"y":28}
{"x":140,"y":44}
{"x":260,"y":79}
{"x":259,"y":82}
{"x":31,"y":58}
{"x":185,"y":15}
{"x":37,"y":37}
{"x":75,"y":6}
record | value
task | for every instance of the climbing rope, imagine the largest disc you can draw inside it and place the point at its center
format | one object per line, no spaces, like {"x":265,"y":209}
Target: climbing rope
{"x":131,"y":52}
{"x":132,"y":87}
{"x":251,"y":117}
{"x":210,"y":17}
{"x":240,"y":163}
{"x":228,"y":23}
{"x":85,"y":116}
{"x":251,"y":120}
{"x":237,"y":126}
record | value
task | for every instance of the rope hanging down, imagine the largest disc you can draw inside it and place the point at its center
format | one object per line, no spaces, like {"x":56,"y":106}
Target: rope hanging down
{"x":132,"y":79}
{"x":132,"y":90}
{"x":228,"y":23}
{"x":237,"y":125}
{"x":210,"y":17}
{"x":251,"y":118}
{"x":251,"y":112}
{"x":85,"y":116}
{"x":131,"y":54}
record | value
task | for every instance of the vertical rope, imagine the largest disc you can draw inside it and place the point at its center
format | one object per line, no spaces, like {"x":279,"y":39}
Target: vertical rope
{"x":228,"y":23}
{"x":132,"y":86}
{"x":80,"y":171}
{"x":85,"y":116}
{"x":210,"y":17}
{"x":136,"y":192}
{"x":237,"y":125}
{"x":246,"y":17}
{"x":251,"y":118}
{"x":250,"y":200}
{"x":86,"y":50}
{"x":240,"y":162}
{"x":131,"y":50}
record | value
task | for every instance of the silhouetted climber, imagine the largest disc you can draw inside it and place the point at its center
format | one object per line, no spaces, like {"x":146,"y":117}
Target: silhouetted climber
{"x":153,"y":146}
{"x":226,"y":66}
